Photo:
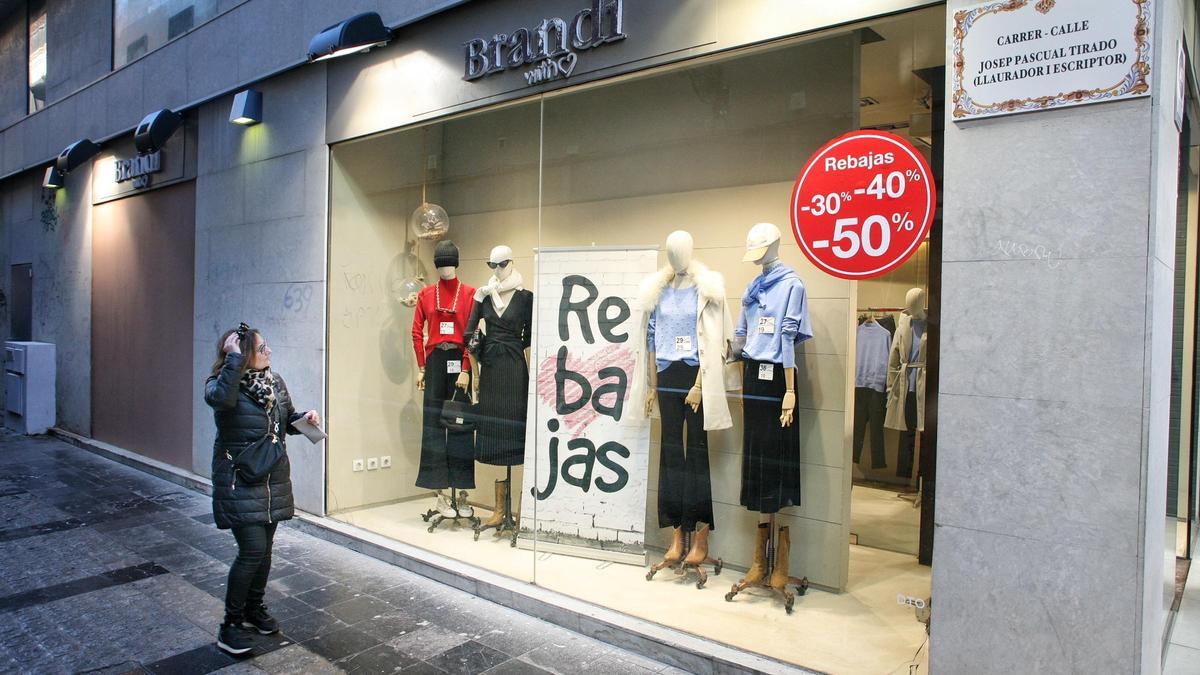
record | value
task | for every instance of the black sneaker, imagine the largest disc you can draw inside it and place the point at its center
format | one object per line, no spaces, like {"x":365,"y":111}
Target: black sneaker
{"x":258,"y":618}
{"x":233,"y":639}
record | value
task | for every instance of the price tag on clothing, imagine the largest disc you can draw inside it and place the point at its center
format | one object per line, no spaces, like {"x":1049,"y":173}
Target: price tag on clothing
{"x":766,"y":371}
{"x":453,"y":367}
{"x":766,"y":325}
{"x":446,"y":327}
{"x":683,"y":343}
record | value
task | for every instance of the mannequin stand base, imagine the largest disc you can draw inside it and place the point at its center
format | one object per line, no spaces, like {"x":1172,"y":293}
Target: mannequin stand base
{"x":438,"y":518}
{"x":789,"y":598}
{"x":508,"y":525}
{"x":682,"y":568}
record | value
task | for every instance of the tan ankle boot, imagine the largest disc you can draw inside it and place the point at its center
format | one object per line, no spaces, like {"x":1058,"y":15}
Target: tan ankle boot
{"x":675,"y":553}
{"x":499,"y":512}
{"x":783,"y":548}
{"x":758,"y":568}
{"x":699,"y":552}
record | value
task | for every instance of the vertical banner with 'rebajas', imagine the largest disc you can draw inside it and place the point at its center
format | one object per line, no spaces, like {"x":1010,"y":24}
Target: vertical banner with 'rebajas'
{"x":586,"y":459}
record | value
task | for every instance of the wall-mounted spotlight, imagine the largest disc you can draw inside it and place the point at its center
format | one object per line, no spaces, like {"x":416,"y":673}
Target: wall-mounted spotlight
{"x":75,"y":154}
{"x":247,"y":108}
{"x":155,"y":129}
{"x":54,"y":178}
{"x":356,"y":34}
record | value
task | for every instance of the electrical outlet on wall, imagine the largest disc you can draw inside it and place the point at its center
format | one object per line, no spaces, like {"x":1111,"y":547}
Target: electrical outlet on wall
{"x":385,"y":462}
{"x":358,"y":465}
{"x":372,"y":463}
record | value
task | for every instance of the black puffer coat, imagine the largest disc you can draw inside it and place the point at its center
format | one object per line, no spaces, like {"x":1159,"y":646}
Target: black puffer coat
{"x":240,"y":422}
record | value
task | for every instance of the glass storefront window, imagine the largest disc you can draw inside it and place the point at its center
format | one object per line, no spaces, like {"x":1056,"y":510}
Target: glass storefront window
{"x":569,"y":211}
{"x":37,"y":55}
{"x":141,"y":26}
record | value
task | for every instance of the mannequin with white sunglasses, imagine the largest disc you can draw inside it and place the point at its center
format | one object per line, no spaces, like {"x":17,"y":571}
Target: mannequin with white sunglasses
{"x":499,"y":333}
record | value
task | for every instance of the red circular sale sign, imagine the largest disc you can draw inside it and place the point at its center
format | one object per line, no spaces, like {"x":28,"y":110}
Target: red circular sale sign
{"x":863,"y":204}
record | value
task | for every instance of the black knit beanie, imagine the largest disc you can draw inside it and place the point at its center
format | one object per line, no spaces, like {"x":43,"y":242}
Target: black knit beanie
{"x":445,"y":254}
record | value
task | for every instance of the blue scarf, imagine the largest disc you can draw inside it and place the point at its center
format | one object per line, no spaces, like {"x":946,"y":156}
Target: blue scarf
{"x":763,"y":283}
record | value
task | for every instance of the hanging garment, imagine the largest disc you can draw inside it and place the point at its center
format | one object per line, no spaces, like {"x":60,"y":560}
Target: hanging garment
{"x":503,"y":378}
{"x":870,"y":407}
{"x":871,"y":356}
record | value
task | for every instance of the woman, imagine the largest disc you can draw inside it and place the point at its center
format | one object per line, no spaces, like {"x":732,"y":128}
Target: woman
{"x":249,"y":402}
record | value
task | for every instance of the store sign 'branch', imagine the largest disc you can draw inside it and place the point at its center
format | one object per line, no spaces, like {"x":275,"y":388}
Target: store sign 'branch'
{"x":551,"y":47}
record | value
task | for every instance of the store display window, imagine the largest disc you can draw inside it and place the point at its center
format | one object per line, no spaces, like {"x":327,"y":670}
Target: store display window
{"x":572,"y":340}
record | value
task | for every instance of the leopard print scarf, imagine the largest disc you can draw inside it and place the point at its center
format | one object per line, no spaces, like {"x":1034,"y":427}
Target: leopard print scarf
{"x":259,"y":385}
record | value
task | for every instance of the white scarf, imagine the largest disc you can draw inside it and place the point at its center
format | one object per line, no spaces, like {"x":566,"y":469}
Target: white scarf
{"x":494,"y":287}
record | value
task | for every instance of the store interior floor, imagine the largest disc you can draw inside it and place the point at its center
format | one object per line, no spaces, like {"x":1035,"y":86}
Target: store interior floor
{"x":864,"y":630}
{"x":885,"y":518}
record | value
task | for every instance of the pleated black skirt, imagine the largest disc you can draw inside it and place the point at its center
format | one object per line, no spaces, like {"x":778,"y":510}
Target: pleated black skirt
{"x":770,"y":453}
{"x":503,"y":405}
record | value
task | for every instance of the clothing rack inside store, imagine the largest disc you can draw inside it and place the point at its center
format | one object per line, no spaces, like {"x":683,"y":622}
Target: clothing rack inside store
{"x":509,"y":523}
{"x":880,"y":309}
{"x":788,"y":597}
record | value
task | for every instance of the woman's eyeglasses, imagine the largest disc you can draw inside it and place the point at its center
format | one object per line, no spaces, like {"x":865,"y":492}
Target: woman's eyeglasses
{"x":263,"y":349}
{"x":500,"y":265}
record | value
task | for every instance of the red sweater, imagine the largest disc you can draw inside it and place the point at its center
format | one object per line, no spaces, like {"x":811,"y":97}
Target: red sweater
{"x":428,"y":320}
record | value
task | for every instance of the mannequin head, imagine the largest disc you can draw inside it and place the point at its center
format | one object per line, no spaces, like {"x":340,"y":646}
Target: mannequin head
{"x":762,"y":244}
{"x":445,"y":259}
{"x":914,"y":303}
{"x":500,"y":262}
{"x":679,"y":250}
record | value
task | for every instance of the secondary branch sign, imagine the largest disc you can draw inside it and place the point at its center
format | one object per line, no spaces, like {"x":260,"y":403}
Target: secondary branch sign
{"x":1014,"y":56}
{"x":587,"y":459}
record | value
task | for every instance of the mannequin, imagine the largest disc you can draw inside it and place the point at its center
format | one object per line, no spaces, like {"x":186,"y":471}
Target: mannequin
{"x":687,"y":338}
{"x":439,"y":324}
{"x":906,"y":379}
{"x":501,"y":350}
{"x":774,"y":321}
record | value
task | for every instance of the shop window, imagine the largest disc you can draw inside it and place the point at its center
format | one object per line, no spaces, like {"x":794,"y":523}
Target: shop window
{"x":565,"y":210}
{"x":141,"y":26}
{"x":37,"y":55}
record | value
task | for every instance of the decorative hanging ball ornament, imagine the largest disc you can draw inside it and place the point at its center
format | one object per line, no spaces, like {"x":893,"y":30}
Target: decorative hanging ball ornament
{"x":429,"y":222}
{"x":406,"y":290}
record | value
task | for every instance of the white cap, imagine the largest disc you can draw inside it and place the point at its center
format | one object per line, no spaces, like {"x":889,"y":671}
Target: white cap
{"x":500,"y":254}
{"x":760,"y":237}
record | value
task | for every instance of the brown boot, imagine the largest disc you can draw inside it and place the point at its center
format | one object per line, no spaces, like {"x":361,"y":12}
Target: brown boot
{"x":758,"y":568}
{"x":675,"y":553}
{"x":699,"y":552}
{"x":499,"y":512}
{"x":783,"y":547}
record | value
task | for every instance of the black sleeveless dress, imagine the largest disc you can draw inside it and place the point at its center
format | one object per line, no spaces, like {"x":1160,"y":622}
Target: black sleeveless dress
{"x":503,"y":379}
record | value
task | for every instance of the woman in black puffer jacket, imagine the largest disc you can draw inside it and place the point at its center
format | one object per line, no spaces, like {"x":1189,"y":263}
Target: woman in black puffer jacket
{"x":249,"y":402}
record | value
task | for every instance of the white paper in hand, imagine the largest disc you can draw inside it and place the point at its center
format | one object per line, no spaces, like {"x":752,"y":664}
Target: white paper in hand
{"x":312,"y":433}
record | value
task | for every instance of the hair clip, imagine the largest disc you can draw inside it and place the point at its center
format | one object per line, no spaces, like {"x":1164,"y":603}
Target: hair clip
{"x":242,"y":329}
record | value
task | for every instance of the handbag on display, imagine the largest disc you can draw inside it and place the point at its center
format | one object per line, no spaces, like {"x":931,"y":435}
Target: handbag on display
{"x":477,"y":342}
{"x":457,"y":415}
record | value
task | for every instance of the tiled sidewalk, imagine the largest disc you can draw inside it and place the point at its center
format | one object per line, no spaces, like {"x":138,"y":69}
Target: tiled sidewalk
{"x":106,"y":569}
{"x":1183,"y":654}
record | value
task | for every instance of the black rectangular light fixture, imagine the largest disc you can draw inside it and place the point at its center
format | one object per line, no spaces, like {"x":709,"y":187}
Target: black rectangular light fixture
{"x":54,"y":178}
{"x":75,"y":154}
{"x":356,"y":34}
{"x":155,"y":130}
{"x":247,"y":108}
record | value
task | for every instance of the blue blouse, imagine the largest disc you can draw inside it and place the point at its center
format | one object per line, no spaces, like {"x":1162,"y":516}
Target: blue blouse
{"x":671,"y":332}
{"x":774,"y":317}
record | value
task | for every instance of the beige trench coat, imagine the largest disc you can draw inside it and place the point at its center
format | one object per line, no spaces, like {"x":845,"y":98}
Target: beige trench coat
{"x":898,"y":367}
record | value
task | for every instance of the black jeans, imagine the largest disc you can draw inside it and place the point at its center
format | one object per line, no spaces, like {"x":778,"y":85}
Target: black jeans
{"x":908,"y":439}
{"x":249,"y":571}
{"x":870,"y":407}
{"x":684,"y":485}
